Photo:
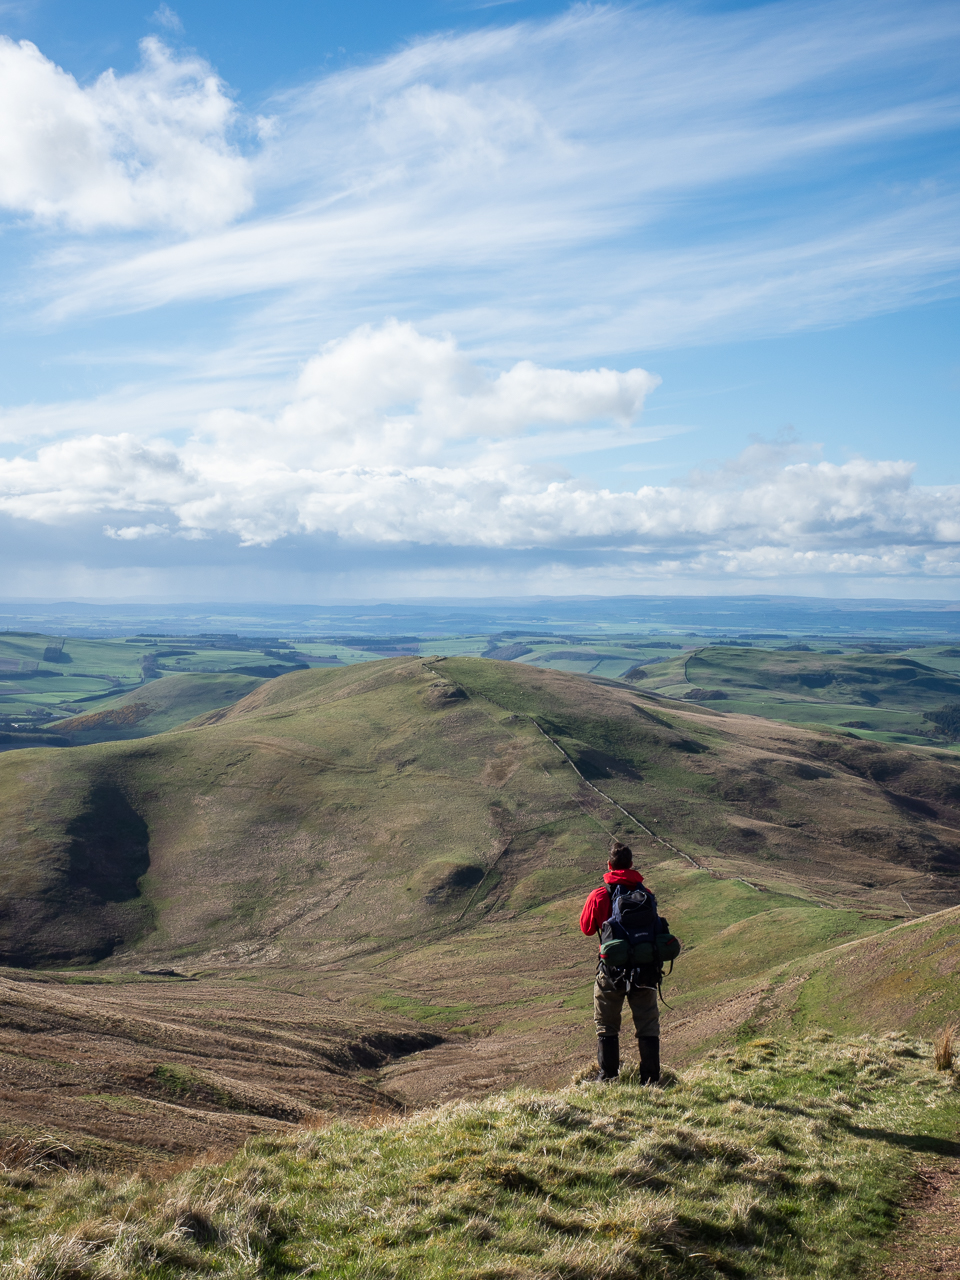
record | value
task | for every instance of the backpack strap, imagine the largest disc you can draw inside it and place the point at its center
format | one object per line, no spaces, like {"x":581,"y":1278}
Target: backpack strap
{"x":660,"y":989}
{"x":609,"y":889}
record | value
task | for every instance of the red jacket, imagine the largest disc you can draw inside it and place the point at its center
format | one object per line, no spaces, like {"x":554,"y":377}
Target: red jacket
{"x":596,"y":909}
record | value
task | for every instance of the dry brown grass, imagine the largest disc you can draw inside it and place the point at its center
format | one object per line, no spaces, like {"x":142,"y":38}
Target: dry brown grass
{"x":169,"y":1069}
{"x":23,"y":1152}
{"x":777,"y":1156}
{"x":943,"y":1047}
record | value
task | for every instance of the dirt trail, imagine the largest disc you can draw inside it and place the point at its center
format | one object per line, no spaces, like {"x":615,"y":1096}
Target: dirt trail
{"x":928,"y":1241}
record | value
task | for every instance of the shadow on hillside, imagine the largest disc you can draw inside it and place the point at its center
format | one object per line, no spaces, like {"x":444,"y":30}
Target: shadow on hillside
{"x":919,"y":1142}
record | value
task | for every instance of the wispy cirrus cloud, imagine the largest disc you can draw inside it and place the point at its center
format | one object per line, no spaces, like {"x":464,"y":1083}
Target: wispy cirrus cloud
{"x":166,"y":17}
{"x":582,"y":183}
{"x":555,"y":193}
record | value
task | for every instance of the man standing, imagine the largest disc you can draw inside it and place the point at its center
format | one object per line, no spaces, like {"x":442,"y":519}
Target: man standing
{"x":635,"y":983}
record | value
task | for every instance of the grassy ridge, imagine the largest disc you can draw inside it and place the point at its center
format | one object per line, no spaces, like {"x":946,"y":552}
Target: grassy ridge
{"x":783,"y":1159}
{"x":900,"y":977}
{"x":156,"y":707}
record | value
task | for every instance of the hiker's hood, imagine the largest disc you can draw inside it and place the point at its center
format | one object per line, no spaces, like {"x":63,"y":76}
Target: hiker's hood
{"x":629,"y":876}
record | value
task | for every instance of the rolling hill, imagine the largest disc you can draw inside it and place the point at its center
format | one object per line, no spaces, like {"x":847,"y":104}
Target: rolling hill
{"x":355,"y":891}
{"x":410,"y":842}
{"x":416,"y":836}
{"x":155,"y":707}
{"x":881,"y":696}
{"x":390,"y":801}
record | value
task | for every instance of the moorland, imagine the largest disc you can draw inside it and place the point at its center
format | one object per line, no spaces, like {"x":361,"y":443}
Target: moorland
{"x":63,"y":690}
{"x":353,"y":891}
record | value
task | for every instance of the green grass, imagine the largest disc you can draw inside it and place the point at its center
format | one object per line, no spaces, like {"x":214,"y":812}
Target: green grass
{"x":780,"y":1159}
{"x":880,"y":697}
{"x":901,"y":976}
{"x":157,"y":707}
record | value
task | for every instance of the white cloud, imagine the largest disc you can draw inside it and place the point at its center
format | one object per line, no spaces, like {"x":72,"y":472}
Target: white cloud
{"x":134,"y":532}
{"x":580,"y":185}
{"x":397,"y":396}
{"x":166,"y":17}
{"x":141,"y":150}
{"x":607,"y":181}
{"x":393,"y":439}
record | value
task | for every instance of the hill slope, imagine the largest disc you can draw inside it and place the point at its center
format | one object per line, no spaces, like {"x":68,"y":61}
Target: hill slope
{"x":156,"y":707}
{"x":332,"y":811}
{"x":338,"y":814}
{"x":167,"y":1068}
{"x":414,"y":839}
{"x":782,"y":1160}
{"x":882,"y":694}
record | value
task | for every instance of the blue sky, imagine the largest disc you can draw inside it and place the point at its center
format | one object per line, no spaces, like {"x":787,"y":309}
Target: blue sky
{"x":485,"y":299}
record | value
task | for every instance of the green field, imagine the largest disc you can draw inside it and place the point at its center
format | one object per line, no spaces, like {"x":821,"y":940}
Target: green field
{"x":883,"y":696}
{"x":44,"y":679}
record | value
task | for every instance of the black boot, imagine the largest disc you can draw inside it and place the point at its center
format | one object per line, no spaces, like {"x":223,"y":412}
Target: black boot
{"x":649,"y":1047}
{"x":608,"y":1056}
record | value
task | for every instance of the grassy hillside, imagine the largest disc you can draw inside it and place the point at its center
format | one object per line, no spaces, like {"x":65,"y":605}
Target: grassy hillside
{"x":410,"y":836}
{"x":768,"y":974}
{"x":883,"y":696}
{"x":155,"y":707}
{"x":783,"y":1159}
{"x":367,"y":881}
{"x":338,"y":811}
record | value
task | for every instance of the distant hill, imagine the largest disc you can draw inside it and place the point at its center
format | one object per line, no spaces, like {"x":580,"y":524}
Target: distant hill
{"x":893,"y":680}
{"x":155,"y":707}
{"x":411,"y":840}
{"x":888,"y":696}
{"x":417,"y":809}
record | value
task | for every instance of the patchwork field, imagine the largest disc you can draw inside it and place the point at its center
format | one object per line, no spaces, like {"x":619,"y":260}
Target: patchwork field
{"x":45,"y":679}
{"x":884,"y":697}
{"x":867,"y":688}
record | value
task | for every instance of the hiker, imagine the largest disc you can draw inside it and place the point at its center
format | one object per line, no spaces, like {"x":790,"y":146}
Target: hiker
{"x":634,"y":942}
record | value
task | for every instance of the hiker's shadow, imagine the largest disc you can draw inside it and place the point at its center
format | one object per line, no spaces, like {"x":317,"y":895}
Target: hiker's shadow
{"x":920,"y":1142}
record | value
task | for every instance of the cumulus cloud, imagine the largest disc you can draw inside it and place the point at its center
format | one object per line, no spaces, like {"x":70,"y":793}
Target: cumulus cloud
{"x":396,"y":438}
{"x":394,"y":395}
{"x":134,"y":532}
{"x":146,"y":149}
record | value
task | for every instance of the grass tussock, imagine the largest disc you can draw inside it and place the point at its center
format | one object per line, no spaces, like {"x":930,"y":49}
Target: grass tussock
{"x":944,"y":1049}
{"x":778,"y":1160}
